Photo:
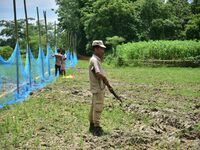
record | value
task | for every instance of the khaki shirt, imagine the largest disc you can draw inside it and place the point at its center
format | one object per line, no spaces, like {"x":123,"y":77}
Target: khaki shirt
{"x":95,"y":66}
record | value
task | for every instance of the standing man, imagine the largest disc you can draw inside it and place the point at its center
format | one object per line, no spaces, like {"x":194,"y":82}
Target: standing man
{"x":98,"y":81}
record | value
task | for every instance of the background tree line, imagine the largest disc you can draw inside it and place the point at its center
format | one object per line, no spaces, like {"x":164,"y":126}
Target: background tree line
{"x":127,"y":20}
{"x":114,"y":21}
{"x":8,"y":41}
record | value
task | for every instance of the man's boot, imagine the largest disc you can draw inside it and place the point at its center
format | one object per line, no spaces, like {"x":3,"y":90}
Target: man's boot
{"x":98,"y":131}
{"x":91,"y":128}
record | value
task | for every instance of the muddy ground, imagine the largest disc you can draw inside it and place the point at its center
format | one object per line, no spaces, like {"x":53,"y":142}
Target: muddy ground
{"x":158,"y":112}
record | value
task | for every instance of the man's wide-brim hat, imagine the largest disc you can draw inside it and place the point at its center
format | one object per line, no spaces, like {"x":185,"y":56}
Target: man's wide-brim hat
{"x":98,"y":43}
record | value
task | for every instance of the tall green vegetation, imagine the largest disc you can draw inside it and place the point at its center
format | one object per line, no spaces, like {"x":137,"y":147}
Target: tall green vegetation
{"x":81,"y":21}
{"x":6,"y":51}
{"x":133,"y":20}
{"x":160,"y":50}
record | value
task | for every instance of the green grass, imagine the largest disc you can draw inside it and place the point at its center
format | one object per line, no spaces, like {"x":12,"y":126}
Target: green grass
{"x":197,"y":127}
{"x":55,"y":118}
{"x":151,"y":75}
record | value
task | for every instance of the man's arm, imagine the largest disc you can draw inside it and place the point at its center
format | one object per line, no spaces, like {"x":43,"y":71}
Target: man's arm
{"x":96,"y":70}
{"x":104,"y":79}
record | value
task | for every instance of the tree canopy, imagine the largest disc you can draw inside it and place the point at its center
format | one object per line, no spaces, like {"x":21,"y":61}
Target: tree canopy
{"x":8,"y":39}
{"x":133,"y":20}
{"x":81,"y":21}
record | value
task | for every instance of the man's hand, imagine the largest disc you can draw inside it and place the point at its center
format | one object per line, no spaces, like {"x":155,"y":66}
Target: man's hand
{"x":113,"y":92}
{"x":102,"y":77}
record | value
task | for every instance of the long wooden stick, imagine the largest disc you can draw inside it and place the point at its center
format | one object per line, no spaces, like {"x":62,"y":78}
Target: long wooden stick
{"x":46,"y":30}
{"x":55,"y":34}
{"x":27,"y":44}
{"x":39,"y":31}
{"x":16,"y":36}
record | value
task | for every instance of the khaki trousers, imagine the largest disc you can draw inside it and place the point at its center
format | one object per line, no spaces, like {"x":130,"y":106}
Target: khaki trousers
{"x":96,"y":108}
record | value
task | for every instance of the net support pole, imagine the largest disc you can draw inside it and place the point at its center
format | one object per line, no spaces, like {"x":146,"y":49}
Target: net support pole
{"x":17,"y":53}
{"x":27,"y":43}
{"x":55,"y":34}
{"x":39,"y":33}
{"x":46,"y":30}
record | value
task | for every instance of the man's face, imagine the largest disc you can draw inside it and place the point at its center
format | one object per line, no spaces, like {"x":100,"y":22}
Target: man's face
{"x":99,"y":51}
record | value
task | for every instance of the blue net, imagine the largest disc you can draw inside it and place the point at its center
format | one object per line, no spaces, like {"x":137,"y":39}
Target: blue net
{"x":32,"y":74}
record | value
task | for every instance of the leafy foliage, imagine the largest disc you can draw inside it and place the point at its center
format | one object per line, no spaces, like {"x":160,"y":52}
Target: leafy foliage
{"x":81,"y":21}
{"x":133,"y":20}
{"x":6,"y":51}
{"x":114,"y":41}
{"x":162,"y":50}
{"x":193,"y":26}
{"x":8,"y":35}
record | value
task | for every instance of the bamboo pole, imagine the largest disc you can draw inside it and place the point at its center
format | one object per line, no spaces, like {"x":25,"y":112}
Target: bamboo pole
{"x":75,"y":42}
{"x":70,"y":41}
{"x":55,"y":34}
{"x":39,"y":33}
{"x":46,"y":30}
{"x":67,"y":40}
{"x":16,"y":36}
{"x":27,"y":44}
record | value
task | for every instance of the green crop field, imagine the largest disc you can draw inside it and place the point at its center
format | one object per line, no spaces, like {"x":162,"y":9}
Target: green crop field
{"x":161,"y":51}
{"x":160,"y":110}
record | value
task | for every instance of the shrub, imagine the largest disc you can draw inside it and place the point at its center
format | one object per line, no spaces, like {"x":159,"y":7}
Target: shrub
{"x":159,"y":50}
{"x":6,"y":51}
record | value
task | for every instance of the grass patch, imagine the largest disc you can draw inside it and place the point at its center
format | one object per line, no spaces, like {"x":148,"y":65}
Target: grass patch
{"x":56,"y":116}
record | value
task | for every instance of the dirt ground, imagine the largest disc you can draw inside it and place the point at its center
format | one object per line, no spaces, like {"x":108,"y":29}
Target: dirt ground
{"x":158,"y":112}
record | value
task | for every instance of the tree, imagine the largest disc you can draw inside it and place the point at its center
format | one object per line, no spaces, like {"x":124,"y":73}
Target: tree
{"x":195,"y":6}
{"x":110,"y":18}
{"x":8,"y":39}
{"x":192,"y":29}
{"x":6,"y":52}
{"x":69,"y":22}
{"x":133,"y":20}
{"x":8,"y":32}
{"x":114,"y":41}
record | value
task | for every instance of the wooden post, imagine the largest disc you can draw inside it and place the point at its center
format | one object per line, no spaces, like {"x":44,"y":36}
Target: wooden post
{"x":27,"y":44}
{"x":39,"y":31}
{"x":76,"y":41}
{"x":67,"y":40}
{"x":70,"y":41}
{"x":55,"y":34}
{"x":46,"y":29}
{"x":38,"y":18}
{"x":16,"y":37}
